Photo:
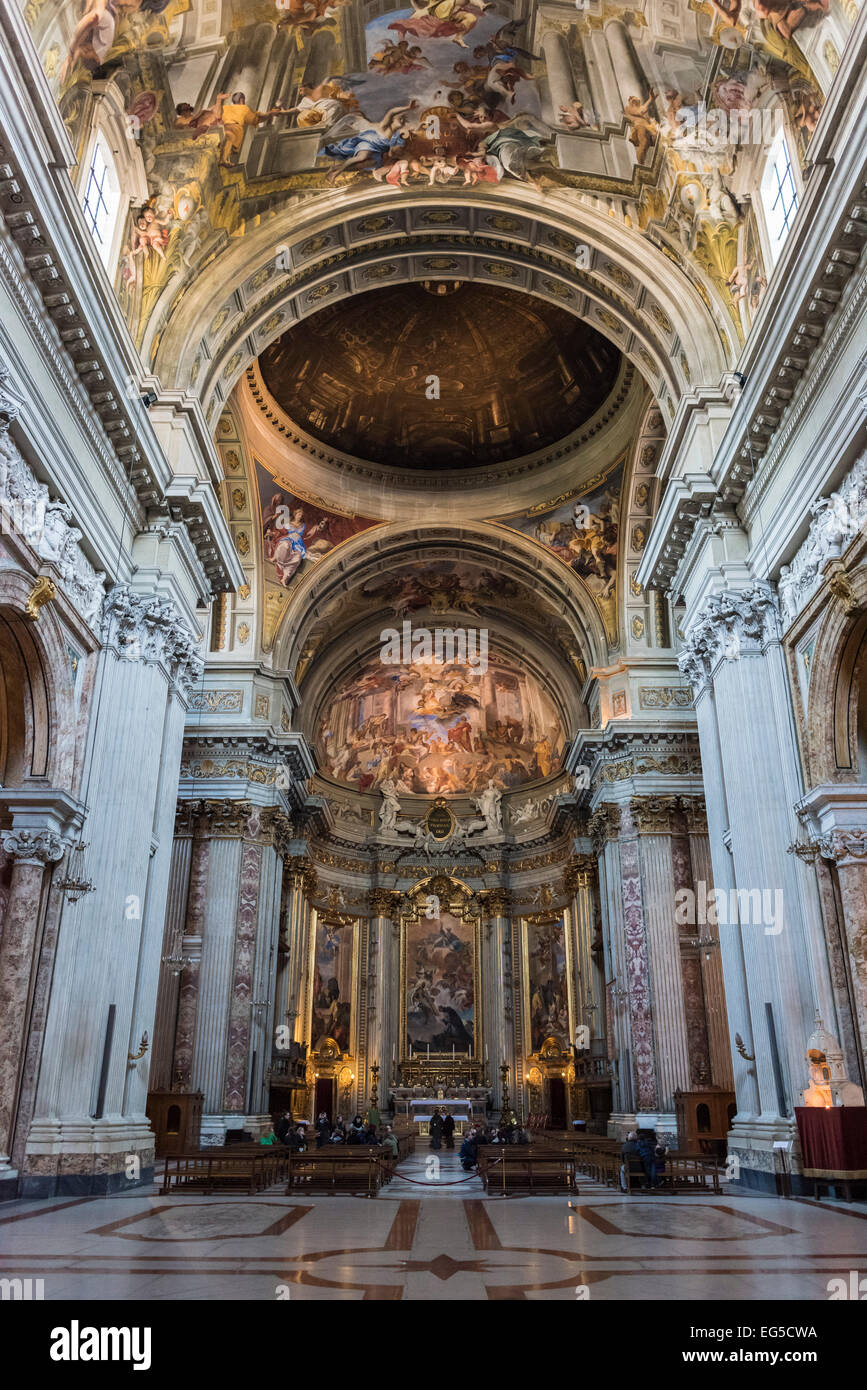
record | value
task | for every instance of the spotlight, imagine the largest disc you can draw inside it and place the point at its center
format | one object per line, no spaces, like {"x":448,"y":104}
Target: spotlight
{"x":740,"y":379}
{"x":148,"y":398}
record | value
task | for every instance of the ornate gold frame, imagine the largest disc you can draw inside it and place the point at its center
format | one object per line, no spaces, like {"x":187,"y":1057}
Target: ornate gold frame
{"x":325,"y":1064}
{"x":541,"y":919}
{"x":459,"y":901}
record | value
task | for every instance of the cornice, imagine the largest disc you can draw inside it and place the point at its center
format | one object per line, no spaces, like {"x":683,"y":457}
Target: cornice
{"x":497,"y":475}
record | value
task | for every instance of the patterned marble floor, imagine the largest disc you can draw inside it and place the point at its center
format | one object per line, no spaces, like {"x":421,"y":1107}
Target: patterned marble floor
{"x":419,"y":1241}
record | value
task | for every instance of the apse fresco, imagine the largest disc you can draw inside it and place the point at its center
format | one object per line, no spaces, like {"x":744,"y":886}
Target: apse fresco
{"x":238,"y":109}
{"x":295,"y":534}
{"x":583,"y":532}
{"x":440,"y":587}
{"x":440,"y":998}
{"x":549,"y":996}
{"x":440,"y":728}
{"x":332,"y":984}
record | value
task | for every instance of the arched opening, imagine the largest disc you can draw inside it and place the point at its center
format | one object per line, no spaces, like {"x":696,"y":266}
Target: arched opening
{"x":25,"y":723}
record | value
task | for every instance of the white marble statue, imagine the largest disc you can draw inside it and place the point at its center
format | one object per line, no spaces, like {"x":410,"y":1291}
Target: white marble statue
{"x":489,"y":804}
{"x":390,"y":808}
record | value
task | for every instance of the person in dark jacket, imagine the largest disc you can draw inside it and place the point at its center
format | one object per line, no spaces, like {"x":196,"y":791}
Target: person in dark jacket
{"x":323,"y":1129}
{"x":469,"y":1151}
{"x":647,"y":1149}
{"x":631,"y":1156}
{"x":436,"y":1130}
{"x":448,"y":1131}
{"x":283,"y":1126}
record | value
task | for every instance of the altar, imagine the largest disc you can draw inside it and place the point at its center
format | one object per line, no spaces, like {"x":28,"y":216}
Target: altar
{"x":465,"y":1108}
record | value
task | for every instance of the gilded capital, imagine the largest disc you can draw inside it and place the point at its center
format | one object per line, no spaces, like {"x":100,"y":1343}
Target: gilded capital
{"x":654,"y":815}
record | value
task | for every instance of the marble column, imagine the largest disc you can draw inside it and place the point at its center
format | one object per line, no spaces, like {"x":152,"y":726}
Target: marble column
{"x":713,"y":982}
{"x":604,"y":828}
{"x":31,"y":852}
{"x":190,"y":948}
{"x":383,"y":1043}
{"x":636,"y":954}
{"x":774,"y":980}
{"x":653,"y":820}
{"x":100,"y":1022}
{"x":497,"y":1045}
{"x":847,"y":848}
{"x":299,"y":882}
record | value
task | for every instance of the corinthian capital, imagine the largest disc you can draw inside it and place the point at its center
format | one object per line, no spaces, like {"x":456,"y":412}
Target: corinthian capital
{"x":731,"y":624}
{"x":33,"y":846}
{"x":384,"y":902}
{"x":145,"y":627}
{"x":844,"y":846}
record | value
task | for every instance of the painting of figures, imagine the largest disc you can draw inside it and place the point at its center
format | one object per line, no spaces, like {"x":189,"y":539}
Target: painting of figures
{"x":440,"y":999}
{"x":440,"y":728}
{"x":584,"y":533}
{"x":295,"y":534}
{"x":332,"y":985}
{"x":548,"y":991}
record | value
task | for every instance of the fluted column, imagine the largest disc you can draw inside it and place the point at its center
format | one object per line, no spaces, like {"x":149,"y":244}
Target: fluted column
{"x":382,"y":1043}
{"x":774,"y":979}
{"x":299,"y":881}
{"x":191,"y":950}
{"x":31,"y":852}
{"x":713,"y":982}
{"x":604,"y":829}
{"x":578,"y":878}
{"x":497,"y":988}
{"x":90,"y":1106}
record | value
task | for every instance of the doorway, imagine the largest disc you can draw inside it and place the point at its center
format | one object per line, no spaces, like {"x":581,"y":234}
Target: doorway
{"x":325,"y":1097}
{"x":557,"y":1102}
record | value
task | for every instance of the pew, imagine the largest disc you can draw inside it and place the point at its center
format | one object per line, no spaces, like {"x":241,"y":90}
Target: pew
{"x":525,"y":1168}
{"x":246,"y":1168}
{"x":340,"y":1168}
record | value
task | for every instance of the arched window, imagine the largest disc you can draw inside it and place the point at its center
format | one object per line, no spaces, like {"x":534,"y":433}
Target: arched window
{"x":779,"y":194}
{"x":101,"y":199}
{"x":702,"y":1118}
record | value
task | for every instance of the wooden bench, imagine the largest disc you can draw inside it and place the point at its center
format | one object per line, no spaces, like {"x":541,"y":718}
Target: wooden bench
{"x":247,"y":1169}
{"x":517,"y":1168}
{"x":339,"y":1168}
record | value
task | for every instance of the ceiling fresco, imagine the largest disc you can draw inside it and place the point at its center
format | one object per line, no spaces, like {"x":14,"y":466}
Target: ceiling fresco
{"x":414,"y":379}
{"x":239,"y":108}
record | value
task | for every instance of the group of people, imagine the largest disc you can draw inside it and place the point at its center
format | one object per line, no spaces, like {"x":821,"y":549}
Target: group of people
{"x":643,"y":1156}
{"x":489,"y":1134}
{"x":295,"y":1134}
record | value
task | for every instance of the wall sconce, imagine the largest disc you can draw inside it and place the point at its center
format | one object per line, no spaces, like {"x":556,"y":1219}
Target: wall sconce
{"x":142,"y":1049}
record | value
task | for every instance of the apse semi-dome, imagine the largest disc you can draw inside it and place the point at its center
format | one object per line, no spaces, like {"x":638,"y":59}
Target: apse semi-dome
{"x":410,"y":378}
{"x":440,"y":728}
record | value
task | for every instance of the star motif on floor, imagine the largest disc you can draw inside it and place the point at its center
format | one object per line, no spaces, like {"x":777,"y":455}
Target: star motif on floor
{"x":444,"y":1267}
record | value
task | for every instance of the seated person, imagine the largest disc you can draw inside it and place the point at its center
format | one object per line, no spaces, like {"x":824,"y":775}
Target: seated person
{"x":269,"y":1138}
{"x":389,"y":1139}
{"x":631,"y":1156}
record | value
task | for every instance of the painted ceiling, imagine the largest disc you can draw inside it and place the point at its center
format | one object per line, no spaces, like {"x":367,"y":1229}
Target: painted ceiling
{"x":412,"y":378}
{"x":241,"y":108}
